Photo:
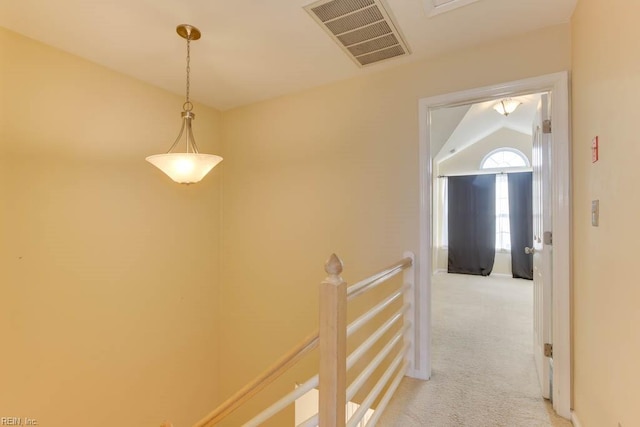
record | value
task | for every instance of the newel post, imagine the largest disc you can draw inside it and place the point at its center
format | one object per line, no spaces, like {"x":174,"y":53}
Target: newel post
{"x":410,"y":317}
{"x":333,"y":345}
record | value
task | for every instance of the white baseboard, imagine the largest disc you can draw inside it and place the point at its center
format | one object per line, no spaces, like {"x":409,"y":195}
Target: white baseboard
{"x":502,"y":274}
{"x":574,"y":420}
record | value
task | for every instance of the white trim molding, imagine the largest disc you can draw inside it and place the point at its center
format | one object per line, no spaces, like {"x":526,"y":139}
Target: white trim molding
{"x":558,"y":85}
{"x":574,"y":420}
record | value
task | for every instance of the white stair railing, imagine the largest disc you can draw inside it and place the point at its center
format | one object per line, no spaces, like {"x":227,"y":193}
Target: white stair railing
{"x":334,"y":392}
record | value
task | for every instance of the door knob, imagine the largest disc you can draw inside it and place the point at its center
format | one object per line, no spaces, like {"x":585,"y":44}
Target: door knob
{"x":528,"y":250}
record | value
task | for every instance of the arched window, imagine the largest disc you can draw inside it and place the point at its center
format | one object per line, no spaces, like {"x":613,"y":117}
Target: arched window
{"x":503,"y":159}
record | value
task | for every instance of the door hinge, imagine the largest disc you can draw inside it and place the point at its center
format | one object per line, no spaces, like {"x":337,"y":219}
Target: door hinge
{"x":547,"y":238}
{"x":548,"y":350}
{"x":546,"y":126}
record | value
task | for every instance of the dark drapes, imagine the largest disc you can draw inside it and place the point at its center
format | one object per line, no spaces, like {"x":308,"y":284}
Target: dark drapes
{"x":472,"y":224}
{"x":521,"y":222}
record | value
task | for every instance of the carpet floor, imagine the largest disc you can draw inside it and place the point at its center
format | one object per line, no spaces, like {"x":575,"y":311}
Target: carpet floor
{"x":483,"y":372}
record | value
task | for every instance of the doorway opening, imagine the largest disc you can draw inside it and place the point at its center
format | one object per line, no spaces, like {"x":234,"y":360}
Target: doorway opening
{"x":556,"y":85}
{"x":482,"y":166}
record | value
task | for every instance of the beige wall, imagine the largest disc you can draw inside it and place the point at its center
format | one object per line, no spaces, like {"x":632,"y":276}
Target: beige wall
{"x":105,"y":315}
{"x":109,"y":272}
{"x":606,"y":295}
{"x":334,"y":169}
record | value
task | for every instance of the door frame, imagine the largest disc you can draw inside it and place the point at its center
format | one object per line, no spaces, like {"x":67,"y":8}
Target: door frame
{"x":558,"y":85}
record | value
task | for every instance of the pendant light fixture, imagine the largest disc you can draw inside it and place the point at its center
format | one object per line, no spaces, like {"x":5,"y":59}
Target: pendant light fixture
{"x":190,"y":166}
{"x":506,"y":106}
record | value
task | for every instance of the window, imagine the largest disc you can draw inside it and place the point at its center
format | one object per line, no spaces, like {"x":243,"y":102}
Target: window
{"x":444,"y":220}
{"x":504,"y":158}
{"x":503,"y":230}
{"x":500,"y":159}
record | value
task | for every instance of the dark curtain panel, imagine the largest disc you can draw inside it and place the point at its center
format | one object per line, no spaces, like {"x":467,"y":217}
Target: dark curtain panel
{"x":472,"y":224}
{"x":521,"y":222}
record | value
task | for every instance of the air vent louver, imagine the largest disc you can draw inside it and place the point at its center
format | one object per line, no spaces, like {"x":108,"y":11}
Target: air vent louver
{"x":362,"y":28}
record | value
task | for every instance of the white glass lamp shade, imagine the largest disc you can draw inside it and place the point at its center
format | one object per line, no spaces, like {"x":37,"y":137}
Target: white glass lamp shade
{"x":185,"y":168}
{"x":506,"y":106}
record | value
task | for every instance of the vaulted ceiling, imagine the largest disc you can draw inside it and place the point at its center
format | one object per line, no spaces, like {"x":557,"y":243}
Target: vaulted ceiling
{"x":455,"y":128}
{"x":253,"y":50}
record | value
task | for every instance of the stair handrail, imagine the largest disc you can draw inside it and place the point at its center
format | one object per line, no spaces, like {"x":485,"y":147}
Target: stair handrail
{"x":261,"y":381}
{"x":333,"y":267}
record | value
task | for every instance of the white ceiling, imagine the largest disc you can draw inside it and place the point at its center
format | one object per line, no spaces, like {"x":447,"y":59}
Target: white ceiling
{"x":444,"y":122}
{"x":253,"y":50}
{"x":457,"y":128}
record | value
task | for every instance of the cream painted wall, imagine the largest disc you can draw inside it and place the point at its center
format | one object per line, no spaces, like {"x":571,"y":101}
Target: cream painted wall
{"x":109,"y":272}
{"x":468,"y":161}
{"x":334,"y":169}
{"x":606,"y":295}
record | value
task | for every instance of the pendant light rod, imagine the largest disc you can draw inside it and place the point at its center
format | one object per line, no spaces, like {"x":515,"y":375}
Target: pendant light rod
{"x":188,"y":32}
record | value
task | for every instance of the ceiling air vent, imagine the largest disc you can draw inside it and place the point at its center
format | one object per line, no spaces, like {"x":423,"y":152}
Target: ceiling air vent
{"x":362,"y":28}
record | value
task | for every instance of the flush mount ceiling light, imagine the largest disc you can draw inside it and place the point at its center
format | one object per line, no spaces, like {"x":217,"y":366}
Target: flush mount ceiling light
{"x":190,"y":166}
{"x":506,"y":106}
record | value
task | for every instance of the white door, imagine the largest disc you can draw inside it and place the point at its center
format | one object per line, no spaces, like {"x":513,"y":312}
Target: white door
{"x":541,"y":250}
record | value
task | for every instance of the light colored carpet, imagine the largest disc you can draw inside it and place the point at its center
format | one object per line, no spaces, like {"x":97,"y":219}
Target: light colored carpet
{"x":483,"y":373}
